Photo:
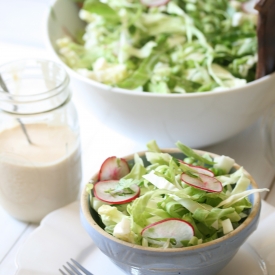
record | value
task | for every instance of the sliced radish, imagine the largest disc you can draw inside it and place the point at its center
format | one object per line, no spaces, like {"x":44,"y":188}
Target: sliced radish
{"x":154,"y":3}
{"x":204,"y":182}
{"x":113,"y":168}
{"x":103,"y":190}
{"x":199,"y":169}
{"x":171,"y":228}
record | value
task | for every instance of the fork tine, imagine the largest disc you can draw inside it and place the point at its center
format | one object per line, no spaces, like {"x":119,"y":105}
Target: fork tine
{"x":62,"y":271}
{"x":81,"y":267}
{"x":68,"y":270}
{"x":72,"y":270}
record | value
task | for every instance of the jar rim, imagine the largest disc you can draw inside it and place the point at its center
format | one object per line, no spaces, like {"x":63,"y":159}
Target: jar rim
{"x":33,"y":85}
{"x":63,"y":82}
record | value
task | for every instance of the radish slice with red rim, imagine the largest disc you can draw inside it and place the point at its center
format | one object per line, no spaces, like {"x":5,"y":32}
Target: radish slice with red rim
{"x":203,"y":182}
{"x":154,"y":3}
{"x":171,"y":228}
{"x":199,"y":169}
{"x":113,"y":168}
{"x":107,"y":191}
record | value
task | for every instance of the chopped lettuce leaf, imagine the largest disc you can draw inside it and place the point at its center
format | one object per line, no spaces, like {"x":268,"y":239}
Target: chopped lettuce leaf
{"x":159,"y":182}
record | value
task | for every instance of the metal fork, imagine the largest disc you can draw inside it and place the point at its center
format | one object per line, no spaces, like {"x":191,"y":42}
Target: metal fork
{"x":74,"y":269}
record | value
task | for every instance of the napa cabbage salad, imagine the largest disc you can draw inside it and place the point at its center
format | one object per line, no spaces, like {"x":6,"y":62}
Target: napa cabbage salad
{"x":162,"y":46}
{"x":171,"y":201}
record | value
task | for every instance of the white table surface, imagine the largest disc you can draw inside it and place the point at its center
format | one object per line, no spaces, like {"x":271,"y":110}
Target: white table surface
{"x":22,"y":31}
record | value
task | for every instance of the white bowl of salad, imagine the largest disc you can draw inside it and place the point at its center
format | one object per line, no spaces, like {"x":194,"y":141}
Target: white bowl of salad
{"x":163,"y":69}
{"x":171,"y":211}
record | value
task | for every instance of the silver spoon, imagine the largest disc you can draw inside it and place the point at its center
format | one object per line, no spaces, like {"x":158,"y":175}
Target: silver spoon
{"x":5,"y":88}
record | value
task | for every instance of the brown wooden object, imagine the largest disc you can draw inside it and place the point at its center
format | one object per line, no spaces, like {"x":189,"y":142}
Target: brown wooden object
{"x":266,"y":37}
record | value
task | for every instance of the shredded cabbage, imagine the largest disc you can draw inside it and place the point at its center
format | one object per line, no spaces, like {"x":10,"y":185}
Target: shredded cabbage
{"x":164,"y":195}
{"x":184,"y":46}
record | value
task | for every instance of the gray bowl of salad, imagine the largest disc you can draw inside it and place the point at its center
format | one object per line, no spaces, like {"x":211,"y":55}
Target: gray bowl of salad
{"x":170,"y":70}
{"x":170,"y":211}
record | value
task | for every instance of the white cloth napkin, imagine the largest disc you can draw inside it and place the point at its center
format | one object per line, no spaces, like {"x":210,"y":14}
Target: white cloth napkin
{"x":263,"y":239}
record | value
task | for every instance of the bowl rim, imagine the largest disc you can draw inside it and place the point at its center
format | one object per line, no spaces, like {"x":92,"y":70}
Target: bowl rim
{"x":117,"y":90}
{"x":255,"y":211}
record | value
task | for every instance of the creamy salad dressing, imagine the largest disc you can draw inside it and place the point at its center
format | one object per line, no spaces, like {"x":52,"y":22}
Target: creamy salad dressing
{"x":39,"y":178}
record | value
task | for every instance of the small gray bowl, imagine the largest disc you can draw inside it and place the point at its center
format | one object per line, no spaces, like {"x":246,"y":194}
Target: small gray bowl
{"x":207,"y":259}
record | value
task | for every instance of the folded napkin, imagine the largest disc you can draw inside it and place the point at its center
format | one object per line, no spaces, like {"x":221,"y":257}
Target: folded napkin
{"x":263,"y":239}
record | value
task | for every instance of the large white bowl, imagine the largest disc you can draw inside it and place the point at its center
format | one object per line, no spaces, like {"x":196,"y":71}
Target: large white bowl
{"x":197,"y":119}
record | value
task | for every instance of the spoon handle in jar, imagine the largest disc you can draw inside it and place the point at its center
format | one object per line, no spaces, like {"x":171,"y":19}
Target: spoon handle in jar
{"x":5,"y":88}
{"x":266,"y":37}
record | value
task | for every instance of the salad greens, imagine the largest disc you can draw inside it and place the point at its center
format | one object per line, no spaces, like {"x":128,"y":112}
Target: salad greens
{"x":182,"y":46}
{"x":164,"y":196}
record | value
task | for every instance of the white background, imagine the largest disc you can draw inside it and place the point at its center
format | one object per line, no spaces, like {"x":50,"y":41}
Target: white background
{"x":22,"y":34}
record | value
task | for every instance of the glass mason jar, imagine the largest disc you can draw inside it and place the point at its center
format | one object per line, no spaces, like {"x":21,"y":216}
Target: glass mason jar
{"x":40,"y":156}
